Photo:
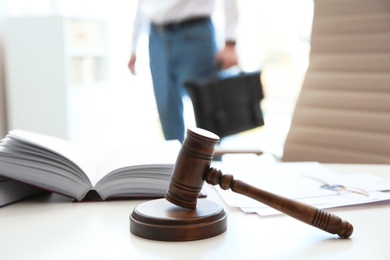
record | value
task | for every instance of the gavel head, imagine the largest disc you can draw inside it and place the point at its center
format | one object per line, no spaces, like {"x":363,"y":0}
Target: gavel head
{"x":191,"y":166}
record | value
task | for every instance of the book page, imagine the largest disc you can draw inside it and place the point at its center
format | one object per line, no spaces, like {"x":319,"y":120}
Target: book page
{"x":157,"y":154}
{"x":81,"y":156}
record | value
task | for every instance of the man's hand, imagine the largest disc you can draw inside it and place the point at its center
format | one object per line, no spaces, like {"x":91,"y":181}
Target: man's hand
{"x":227,"y":57}
{"x":131,"y":64}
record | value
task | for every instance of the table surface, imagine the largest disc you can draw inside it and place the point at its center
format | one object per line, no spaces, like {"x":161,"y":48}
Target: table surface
{"x":53,"y":227}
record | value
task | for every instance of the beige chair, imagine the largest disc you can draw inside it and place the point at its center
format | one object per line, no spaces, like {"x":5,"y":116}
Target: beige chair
{"x":342,"y":114}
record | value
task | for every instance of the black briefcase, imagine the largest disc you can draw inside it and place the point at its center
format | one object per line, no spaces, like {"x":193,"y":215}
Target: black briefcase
{"x":229,"y":104}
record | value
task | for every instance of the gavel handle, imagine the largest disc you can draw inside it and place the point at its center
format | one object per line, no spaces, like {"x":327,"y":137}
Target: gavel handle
{"x":298,"y":210}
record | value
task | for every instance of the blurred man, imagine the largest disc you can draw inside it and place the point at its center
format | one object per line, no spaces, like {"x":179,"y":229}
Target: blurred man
{"x":182,"y":46}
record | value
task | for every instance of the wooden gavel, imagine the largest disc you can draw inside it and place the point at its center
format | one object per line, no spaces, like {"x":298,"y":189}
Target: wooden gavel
{"x":192,"y":168}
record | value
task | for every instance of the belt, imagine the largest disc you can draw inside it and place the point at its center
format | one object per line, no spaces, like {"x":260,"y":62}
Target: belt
{"x":181,"y":24}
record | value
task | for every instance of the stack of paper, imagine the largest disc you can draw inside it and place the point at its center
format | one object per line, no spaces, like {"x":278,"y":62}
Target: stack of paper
{"x":308,"y":182}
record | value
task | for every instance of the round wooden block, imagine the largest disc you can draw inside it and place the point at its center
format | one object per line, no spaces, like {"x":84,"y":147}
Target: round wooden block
{"x":161,"y":220}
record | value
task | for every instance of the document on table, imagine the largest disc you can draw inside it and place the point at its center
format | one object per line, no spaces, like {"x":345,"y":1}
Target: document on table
{"x":308,"y":182}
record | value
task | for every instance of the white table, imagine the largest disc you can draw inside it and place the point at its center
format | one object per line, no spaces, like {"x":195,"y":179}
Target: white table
{"x":52,"y":227}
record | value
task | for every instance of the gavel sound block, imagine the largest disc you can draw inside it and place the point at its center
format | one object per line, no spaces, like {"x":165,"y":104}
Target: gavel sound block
{"x":182,"y":217}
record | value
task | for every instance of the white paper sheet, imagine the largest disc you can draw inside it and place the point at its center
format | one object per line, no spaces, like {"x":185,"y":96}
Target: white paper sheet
{"x":302,"y":182}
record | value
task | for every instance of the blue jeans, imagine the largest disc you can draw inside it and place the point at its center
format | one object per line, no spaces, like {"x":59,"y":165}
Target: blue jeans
{"x":177,"y":55}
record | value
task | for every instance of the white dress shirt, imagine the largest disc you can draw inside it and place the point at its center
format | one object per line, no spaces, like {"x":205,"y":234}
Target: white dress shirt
{"x":167,"y":11}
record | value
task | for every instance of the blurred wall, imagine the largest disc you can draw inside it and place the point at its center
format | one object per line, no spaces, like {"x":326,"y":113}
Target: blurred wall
{"x":3,"y":119}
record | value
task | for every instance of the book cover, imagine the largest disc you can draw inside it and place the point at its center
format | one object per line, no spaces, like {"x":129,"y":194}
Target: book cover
{"x":12,"y":191}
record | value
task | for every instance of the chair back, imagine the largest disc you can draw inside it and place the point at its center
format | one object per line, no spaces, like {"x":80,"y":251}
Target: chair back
{"x":342,"y":114}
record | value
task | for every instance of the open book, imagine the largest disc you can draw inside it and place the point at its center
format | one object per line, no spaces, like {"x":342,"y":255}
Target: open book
{"x":63,"y":167}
